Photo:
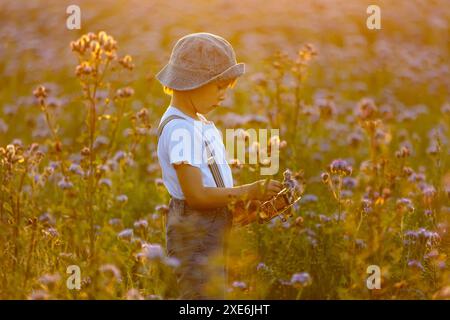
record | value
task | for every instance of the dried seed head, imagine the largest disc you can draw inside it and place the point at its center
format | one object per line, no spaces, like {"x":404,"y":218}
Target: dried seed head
{"x":92,"y":36}
{"x":40,"y":92}
{"x":79,"y":46}
{"x":83,"y":69}
{"x":407,"y":171}
{"x":299,"y":221}
{"x":326,"y":107}
{"x":367,"y":109}
{"x":125,"y":92}
{"x":402,"y":153}
{"x":102,"y":37}
{"x":127,"y":62}
{"x":10,"y":151}
{"x":340,"y":167}
{"x":95,"y":48}
{"x":85,"y":152}
{"x":110,"y":44}
{"x":325,"y":177}
{"x":143,"y":114}
{"x":445,"y":109}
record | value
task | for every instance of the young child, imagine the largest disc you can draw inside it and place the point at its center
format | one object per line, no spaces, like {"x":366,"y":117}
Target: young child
{"x":191,"y":153}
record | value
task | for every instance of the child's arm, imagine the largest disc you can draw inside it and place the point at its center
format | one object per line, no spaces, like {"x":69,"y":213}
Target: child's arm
{"x":199,"y":197}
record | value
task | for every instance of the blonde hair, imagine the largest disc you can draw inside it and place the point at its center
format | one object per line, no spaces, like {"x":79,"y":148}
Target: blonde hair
{"x":232,"y":83}
{"x":169,"y":91}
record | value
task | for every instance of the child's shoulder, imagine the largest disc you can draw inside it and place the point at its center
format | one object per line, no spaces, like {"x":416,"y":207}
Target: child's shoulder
{"x":177,"y":127}
{"x":171,"y":117}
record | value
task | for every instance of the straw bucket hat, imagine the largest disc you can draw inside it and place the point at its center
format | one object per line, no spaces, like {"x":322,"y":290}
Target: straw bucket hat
{"x":198,"y":59}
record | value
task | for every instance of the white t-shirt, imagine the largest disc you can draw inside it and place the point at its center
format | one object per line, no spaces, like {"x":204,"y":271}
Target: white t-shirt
{"x":182,"y":141}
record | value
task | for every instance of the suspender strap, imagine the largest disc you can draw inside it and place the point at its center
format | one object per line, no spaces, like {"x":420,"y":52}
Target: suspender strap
{"x":213,"y":167}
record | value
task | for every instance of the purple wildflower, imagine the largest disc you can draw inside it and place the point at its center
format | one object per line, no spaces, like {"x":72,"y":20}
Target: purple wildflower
{"x":302,"y":279}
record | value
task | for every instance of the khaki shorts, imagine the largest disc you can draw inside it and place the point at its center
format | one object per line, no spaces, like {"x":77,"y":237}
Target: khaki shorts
{"x":198,"y":239}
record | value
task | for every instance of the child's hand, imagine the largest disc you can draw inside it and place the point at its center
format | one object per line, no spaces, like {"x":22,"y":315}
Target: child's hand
{"x":264,"y":189}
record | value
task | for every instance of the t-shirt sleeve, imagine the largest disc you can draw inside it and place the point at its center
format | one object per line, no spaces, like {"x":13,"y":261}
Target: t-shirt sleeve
{"x":183,"y":143}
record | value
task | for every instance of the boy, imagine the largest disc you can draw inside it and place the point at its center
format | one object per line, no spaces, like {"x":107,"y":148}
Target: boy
{"x":191,"y":154}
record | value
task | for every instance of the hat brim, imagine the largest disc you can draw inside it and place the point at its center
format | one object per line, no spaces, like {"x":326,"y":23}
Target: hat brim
{"x":182,"y":80}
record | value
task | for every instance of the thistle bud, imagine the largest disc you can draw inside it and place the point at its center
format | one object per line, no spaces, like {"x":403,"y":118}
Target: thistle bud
{"x":367,"y":109}
{"x":340,"y":167}
{"x":92,"y":36}
{"x":40,"y":92}
{"x":125,"y":92}
{"x":325,"y":177}
{"x":10,"y":150}
{"x":83,"y":69}
{"x":85,"y":152}
{"x":102,"y":37}
{"x":127,"y":62}
{"x":299,"y":221}
{"x":143,"y":114}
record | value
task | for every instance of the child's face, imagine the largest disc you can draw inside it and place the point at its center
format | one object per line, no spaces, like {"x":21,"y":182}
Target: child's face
{"x":209,"y":96}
